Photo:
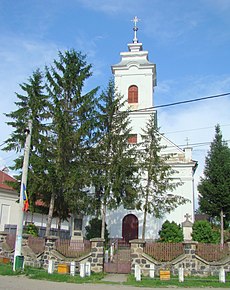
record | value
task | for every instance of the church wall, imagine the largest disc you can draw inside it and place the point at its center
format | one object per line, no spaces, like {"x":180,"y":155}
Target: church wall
{"x":185,"y":176}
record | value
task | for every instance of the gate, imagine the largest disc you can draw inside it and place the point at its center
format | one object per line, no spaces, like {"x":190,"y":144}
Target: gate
{"x":119,"y":258}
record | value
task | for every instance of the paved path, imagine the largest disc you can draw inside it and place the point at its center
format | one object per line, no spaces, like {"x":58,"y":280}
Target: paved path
{"x":23,"y":283}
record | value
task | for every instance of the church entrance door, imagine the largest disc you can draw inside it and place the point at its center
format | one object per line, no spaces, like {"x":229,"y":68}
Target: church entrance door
{"x":130,"y":227}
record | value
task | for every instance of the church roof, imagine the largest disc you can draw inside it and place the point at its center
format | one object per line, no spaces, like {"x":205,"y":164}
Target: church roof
{"x":135,"y":54}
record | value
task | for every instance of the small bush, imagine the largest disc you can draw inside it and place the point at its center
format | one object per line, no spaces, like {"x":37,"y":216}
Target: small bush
{"x":171,"y":233}
{"x":31,"y":229}
{"x":202,"y":232}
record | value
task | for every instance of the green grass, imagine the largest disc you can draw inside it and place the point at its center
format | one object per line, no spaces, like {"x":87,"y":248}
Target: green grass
{"x":197,"y":282}
{"x":41,"y":274}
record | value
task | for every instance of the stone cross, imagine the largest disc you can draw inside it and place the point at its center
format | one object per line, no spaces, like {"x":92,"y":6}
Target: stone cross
{"x":187,"y":216}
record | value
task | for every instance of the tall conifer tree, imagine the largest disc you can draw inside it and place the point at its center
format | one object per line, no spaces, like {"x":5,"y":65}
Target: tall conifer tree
{"x":114,"y":159}
{"x":157,"y":176}
{"x":32,"y":104}
{"x":73,"y":117}
{"x":214,"y":187}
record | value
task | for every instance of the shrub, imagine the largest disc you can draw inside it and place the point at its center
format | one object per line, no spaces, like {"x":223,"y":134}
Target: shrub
{"x":202,"y":232}
{"x":31,"y":229}
{"x":171,"y":233}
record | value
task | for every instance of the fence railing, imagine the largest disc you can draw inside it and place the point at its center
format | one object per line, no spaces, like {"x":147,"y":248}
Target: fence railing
{"x":73,"y":249}
{"x":10,"y":240}
{"x":36,"y":244}
{"x":212,"y":252}
{"x":164,"y":252}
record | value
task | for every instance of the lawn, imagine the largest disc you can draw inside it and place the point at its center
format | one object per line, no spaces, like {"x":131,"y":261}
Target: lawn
{"x":41,"y":274}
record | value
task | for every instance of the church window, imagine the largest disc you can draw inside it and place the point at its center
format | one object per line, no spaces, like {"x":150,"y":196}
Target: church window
{"x":132,"y":139}
{"x":133,"y":94}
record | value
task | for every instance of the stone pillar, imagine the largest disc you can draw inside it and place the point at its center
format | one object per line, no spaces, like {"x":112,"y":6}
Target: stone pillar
{"x":97,"y":252}
{"x":49,"y":246}
{"x":190,"y":263}
{"x":137,"y":249}
{"x":76,"y":228}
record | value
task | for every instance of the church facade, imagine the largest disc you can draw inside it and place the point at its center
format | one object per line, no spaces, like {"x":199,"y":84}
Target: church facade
{"x":135,"y":79}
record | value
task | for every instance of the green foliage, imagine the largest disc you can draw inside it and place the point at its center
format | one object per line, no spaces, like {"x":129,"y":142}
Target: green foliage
{"x":202,"y":232}
{"x":93,"y":230}
{"x":113,"y":161}
{"x":214,"y":187}
{"x":63,"y":131}
{"x":171,"y":233}
{"x":31,"y":229}
{"x":157,"y":176}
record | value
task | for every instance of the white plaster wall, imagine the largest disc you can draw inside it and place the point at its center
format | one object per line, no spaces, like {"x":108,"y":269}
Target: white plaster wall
{"x":184,"y":174}
{"x":9,"y":198}
{"x":142,"y":79}
{"x":41,"y":219}
{"x":115,"y":217}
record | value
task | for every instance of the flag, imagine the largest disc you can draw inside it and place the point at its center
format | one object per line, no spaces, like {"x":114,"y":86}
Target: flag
{"x":25,"y":199}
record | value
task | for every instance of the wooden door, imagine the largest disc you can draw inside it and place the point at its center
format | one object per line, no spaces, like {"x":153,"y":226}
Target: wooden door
{"x":130,"y":227}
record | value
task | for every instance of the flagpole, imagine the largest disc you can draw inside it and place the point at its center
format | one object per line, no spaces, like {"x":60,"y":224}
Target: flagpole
{"x":18,"y":242}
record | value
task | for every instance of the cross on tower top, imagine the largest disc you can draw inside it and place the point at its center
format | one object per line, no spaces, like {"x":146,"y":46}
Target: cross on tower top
{"x":135,"y":28}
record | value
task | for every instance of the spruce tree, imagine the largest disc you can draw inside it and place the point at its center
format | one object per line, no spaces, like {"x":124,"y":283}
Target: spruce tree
{"x":32,"y":105}
{"x":114,"y":159}
{"x":73,"y":116}
{"x":157,"y":176}
{"x":214,"y":187}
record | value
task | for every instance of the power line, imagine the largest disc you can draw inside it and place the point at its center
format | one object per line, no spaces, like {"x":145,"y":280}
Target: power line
{"x":2,"y":144}
{"x":182,"y":102}
{"x":194,"y":129}
{"x":198,"y":144}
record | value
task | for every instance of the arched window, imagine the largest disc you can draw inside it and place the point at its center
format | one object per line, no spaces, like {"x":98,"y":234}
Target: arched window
{"x":133,"y":94}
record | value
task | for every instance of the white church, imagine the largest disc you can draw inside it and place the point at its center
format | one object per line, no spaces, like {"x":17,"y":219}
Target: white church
{"x":135,"y":79}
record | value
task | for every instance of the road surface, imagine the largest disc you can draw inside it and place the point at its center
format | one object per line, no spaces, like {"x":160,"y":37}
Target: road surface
{"x":23,"y":283}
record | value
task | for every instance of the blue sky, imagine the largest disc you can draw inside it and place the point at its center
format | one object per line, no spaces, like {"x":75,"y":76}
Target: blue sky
{"x":188,"y":40}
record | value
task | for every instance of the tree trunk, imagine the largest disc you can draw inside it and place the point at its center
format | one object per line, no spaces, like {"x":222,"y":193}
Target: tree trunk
{"x":145,"y":213}
{"x":59,"y":227}
{"x":222,"y":227}
{"x":144,"y":224}
{"x":50,"y":214}
{"x":103,"y":214}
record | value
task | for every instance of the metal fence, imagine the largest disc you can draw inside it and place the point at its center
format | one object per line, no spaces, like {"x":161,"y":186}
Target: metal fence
{"x":73,"y":249}
{"x":164,"y":252}
{"x":212,"y":252}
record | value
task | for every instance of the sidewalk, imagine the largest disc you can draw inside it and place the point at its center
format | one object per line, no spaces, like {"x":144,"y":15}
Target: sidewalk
{"x":118,"y":278}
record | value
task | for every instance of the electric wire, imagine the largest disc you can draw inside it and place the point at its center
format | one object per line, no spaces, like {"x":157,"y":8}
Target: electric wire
{"x":182,"y":102}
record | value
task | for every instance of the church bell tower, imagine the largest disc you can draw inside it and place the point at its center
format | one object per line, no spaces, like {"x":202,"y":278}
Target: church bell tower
{"x":135,"y":79}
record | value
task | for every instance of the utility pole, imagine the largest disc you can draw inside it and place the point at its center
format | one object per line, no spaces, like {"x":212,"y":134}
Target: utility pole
{"x":18,"y":242}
